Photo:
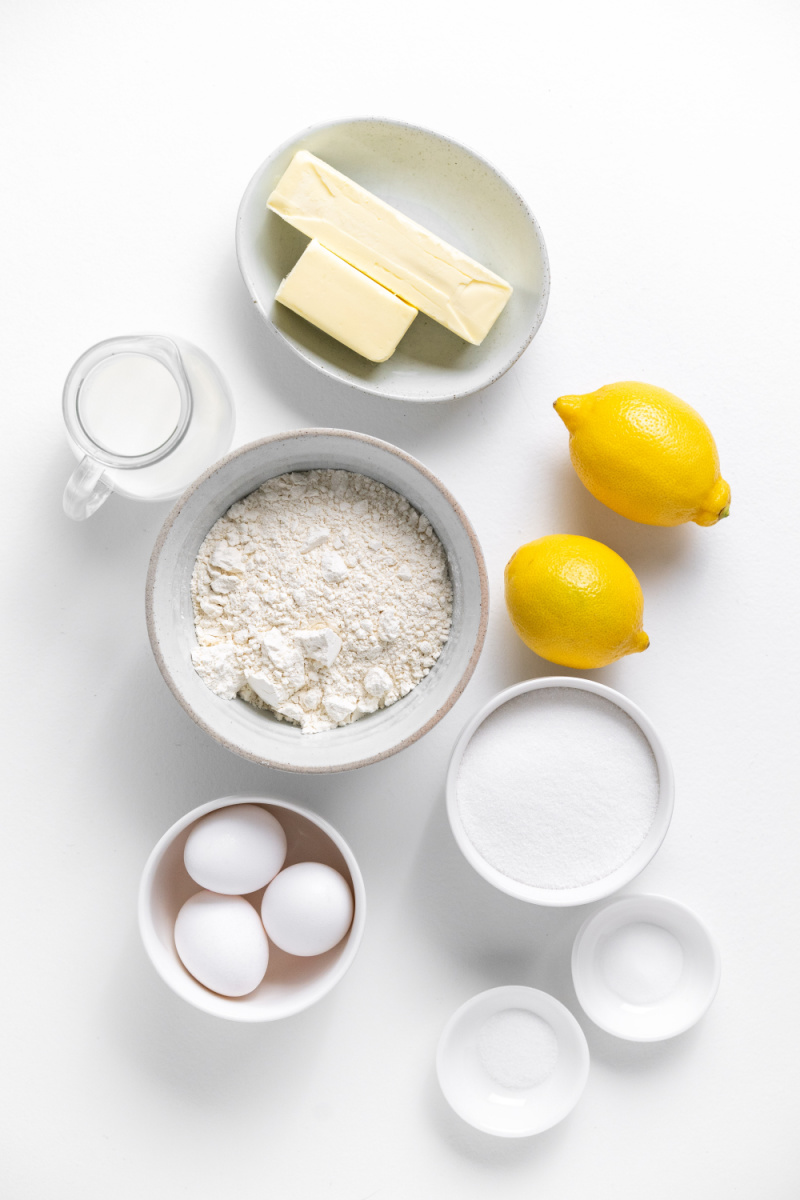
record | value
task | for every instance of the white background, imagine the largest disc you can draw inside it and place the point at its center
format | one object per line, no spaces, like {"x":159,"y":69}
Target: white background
{"x":657,"y":145}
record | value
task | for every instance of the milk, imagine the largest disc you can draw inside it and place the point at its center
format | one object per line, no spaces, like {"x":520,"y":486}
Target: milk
{"x":129,"y":404}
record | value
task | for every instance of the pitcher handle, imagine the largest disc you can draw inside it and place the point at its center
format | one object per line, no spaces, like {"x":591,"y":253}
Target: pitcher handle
{"x":87,"y":488}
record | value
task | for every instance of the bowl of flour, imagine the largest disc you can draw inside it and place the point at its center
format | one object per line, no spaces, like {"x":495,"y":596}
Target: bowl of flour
{"x":559,"y":791}
{"x":317,"y":600}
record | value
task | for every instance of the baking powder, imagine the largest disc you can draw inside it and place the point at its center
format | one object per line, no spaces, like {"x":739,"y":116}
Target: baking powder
{"x":517,"y":1048}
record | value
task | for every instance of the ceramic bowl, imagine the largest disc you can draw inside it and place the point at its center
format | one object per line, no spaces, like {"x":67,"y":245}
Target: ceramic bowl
{"x":645,"y":968}
{"x":290,"y":984}
{"x":449,"y":190}
{"x":518,"y":1079}
{"x":254,"y":733}
{"x":599,"y":888}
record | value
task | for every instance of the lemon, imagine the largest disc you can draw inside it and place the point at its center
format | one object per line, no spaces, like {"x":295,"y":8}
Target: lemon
{"x":646,"y":454}
{"x":575,"y":602}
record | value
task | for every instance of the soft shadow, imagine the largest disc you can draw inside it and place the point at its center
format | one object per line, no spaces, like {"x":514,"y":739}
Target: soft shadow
{"x":207,"y":1062}
{"x":501,"y":1154}
{"x":327,"y":402}
{"x":652,"y":550}
{"x":634,"y":1058}
{"x":120,"y":531}
{"x":320,"y":344}
{"x":163,"y":764}
{"x":279,"y":244}
{"x":505,"y":940}
{"x":429,"y":342}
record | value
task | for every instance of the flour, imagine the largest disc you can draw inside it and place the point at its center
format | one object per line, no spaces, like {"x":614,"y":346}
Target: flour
{"x":322,"y":596}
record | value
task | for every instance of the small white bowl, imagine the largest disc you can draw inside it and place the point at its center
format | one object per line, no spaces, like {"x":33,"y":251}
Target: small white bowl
{"x":488,"y":1103}
{"x":587,"y":892}
{"x":291,"y":984}
{"x":645,"y":968}
{"x":449,"y":190}
{"x":252,"y":732}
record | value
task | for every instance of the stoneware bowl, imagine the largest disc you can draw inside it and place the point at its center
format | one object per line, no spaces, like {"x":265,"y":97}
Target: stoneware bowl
{"x":290,"y":984}
{"x":449,"y":190}
{"x":599,"y":888}
{"x":483,"y":1097}
{"x":251,"y":732}
{"x":645,"y":968}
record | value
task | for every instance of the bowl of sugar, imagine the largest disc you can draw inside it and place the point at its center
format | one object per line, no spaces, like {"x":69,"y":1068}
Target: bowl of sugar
{"x":559,"y":791}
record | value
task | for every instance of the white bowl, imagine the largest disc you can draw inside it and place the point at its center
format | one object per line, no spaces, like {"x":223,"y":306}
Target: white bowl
{"x":645,"y":968}
{"x":490,"y":1104}
{"x":251,"y":732}
{"x":587,"y":892}
{"x":444,"y":187}
{"x":290,"y":984}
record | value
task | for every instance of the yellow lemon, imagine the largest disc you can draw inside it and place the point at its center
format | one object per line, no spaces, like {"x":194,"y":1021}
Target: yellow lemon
{"x":575,"y":602}
{"x":646,"y":454}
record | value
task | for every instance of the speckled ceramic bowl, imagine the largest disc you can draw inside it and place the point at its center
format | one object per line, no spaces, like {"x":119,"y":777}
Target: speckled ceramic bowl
{"x":254,"y":733}
{"x":449,"y":190}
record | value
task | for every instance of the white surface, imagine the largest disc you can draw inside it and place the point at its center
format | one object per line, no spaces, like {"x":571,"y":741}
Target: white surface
{"x":655,"y":143}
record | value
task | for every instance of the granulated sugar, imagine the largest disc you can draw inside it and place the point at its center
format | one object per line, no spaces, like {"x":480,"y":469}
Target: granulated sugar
{"x":517,"y":1049}
{"x":557,"y":788}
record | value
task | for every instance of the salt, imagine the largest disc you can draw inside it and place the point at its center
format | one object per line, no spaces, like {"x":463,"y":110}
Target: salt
{"x":517,"y":1049}
{"x":641,"y":963}
{"x":557,"y":788}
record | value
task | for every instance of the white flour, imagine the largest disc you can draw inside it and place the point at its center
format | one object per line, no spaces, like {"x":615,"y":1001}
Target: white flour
{"x":323,"y":596}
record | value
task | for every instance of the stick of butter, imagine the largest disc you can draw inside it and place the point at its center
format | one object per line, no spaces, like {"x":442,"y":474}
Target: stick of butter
{"x":377,"y":239}
{"x":345,"y":303}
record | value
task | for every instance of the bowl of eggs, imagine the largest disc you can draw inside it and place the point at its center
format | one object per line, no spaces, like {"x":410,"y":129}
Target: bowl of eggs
{"x":251,"y":909}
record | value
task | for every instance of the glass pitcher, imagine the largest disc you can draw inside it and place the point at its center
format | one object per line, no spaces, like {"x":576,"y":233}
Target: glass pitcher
{"x":145,"y":415}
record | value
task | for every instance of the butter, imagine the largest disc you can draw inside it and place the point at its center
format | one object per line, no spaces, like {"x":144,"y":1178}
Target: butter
{"x":345,"y":303}
{"x":396,"y":252}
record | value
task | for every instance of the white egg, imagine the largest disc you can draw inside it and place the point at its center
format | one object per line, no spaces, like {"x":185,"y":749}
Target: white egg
{"x":235,"y":850}
{"x":307,"y":909}
{"x":221,"y":941}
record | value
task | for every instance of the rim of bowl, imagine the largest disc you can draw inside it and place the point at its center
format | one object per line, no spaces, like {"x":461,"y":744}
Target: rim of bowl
{"x":633,"y":900}
{"x":194,"y":992}
{"x":545,"y":1004}
{"x":354,"y":382}
{"x":597,"y":889}
{"x":443,"y":709}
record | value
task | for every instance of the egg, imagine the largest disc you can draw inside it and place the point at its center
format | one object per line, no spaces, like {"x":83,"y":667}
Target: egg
{"x":221,"y":942}
{"x":235,"y":850}
{"x":307,"y":909}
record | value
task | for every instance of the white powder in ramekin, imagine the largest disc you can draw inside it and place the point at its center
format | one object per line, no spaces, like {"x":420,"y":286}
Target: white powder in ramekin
{"x":557,"y":788}
{"x":517,"y":1048}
